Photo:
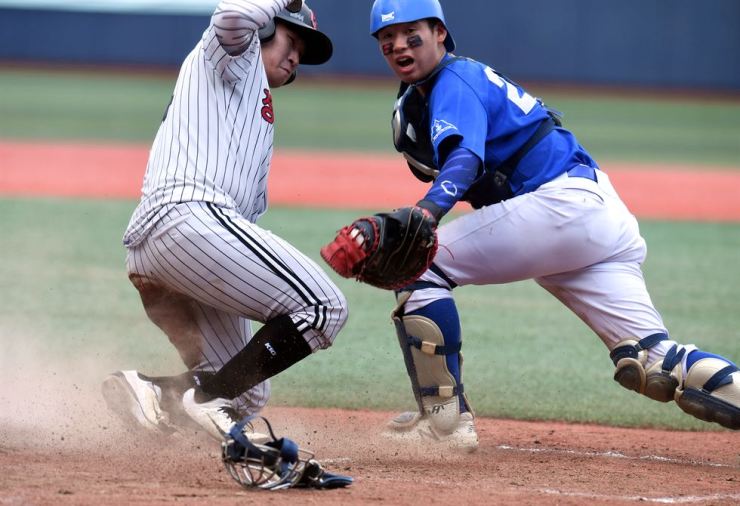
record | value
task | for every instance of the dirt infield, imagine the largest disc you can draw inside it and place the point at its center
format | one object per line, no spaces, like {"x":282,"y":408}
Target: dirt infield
{"x":366,"y":181}
{"x":517,"y":463}
{"x":84,"y":457}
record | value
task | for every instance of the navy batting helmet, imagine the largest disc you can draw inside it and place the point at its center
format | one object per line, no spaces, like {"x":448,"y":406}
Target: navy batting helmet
{"x":393,"y":12}
{"x":318,"y":46}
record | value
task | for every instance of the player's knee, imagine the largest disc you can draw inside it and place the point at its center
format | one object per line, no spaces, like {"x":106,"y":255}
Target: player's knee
{"x":326,"y":319}
{"x":657,"y":380}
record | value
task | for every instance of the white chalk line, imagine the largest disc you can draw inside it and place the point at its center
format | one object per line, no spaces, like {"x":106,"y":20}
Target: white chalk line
{"x":615,"y":455}
{"x":692,"y":499}
{"x":565,"y":451}
{"x":638,"y":498}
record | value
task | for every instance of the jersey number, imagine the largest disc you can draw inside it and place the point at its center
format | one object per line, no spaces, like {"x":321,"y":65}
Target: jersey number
{"x":525,"y":102}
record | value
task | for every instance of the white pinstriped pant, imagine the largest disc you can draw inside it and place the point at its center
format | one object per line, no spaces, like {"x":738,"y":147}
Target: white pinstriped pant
{"x":204,"y":273}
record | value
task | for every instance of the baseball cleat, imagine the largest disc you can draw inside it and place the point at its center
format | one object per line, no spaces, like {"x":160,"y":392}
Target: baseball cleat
{"x":136,"y":402}
{"x":404,"y":421}
{"x":216,"y":417}
{"x":411,"y":427}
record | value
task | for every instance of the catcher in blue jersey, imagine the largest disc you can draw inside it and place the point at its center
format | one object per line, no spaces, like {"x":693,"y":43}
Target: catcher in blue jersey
{"x":544,"y":210}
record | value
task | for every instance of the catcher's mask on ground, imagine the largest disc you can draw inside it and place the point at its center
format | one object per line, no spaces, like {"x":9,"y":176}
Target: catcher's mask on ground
{"x":275,"y":465}
{"x":318,"y":46}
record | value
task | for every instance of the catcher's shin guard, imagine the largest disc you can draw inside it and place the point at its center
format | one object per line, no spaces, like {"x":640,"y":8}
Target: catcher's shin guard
{"x":437,"y":391}
{"x":704,"y":385}
{"x":710,"y":390}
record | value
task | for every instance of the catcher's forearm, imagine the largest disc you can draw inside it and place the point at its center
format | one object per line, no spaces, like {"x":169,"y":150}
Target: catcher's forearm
{"x":457,"y":175}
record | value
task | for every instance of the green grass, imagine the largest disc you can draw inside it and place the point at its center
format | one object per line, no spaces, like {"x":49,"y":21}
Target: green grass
{"x":66,"y":297}
{"x":65,"y":292}
{"x":128,"y":107}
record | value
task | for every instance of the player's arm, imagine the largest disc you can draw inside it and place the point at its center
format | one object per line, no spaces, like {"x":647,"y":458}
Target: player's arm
{"x":460,"y":169}
{"x":236,"y":21}
{"x":458,"y":129}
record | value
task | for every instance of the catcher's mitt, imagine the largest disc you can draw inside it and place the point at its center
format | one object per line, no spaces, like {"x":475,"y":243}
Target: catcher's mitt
{"x":386,"y":250}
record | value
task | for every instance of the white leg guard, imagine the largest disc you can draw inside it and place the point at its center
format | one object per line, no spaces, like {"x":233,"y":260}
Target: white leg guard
{"x":438,"y":389}
{"x":434,"y":387}
{"x":708,"y":390}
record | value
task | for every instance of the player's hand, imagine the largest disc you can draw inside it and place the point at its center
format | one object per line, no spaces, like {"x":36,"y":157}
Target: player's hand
{"x":295,"y":6}
{"x":386,"y":250}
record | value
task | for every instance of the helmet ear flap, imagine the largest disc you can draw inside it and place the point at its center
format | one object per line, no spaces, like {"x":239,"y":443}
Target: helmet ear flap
{"x":267,"y":32}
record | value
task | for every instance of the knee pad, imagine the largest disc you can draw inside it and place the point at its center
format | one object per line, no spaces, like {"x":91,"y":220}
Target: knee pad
{"x":658,"y":381}
{"x":437,"y":391}
{"x":711,"y":391}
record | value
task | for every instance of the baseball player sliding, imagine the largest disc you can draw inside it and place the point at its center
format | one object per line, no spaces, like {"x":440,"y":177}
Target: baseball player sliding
{"x":202,"y":266}
{"x":544,"y":210}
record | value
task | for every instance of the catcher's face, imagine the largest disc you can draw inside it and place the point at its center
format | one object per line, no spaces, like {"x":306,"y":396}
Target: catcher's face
{"x":412,"y":50}
{"x":281,"y":55}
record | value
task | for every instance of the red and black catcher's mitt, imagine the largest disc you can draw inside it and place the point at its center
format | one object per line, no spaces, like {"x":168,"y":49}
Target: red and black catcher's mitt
{"x":386,"y":250}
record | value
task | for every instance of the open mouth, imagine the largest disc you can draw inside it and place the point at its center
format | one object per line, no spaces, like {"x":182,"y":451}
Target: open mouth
{"x":404,"y":61}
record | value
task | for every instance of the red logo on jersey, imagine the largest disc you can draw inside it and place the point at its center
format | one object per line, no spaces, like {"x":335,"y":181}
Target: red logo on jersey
{"x":267,"y":113}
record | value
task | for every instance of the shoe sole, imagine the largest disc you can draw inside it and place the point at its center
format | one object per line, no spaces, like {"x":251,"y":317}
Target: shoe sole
{"x":121,"y":400}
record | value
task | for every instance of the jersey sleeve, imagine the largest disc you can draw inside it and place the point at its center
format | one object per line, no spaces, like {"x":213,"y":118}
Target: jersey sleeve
{"x":230,"y":43}
{"x":455,"y":177}
{"x":455,"y":110}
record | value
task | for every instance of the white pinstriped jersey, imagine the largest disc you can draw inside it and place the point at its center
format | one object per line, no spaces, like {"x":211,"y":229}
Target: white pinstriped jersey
{"x":193,"y":238}
{"x":215,"y":141}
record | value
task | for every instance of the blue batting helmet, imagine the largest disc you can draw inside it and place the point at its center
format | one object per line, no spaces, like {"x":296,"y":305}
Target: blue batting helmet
{"x":392,"y":12}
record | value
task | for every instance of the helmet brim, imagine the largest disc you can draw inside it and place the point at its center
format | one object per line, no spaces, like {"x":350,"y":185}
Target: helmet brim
{"x":318,"y":47}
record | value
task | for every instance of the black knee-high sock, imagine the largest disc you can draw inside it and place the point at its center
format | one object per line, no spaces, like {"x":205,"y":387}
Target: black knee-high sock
{"x":275,"y":347}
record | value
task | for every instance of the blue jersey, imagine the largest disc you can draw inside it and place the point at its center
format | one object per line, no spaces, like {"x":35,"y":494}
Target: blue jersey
{"x":493,"y":118}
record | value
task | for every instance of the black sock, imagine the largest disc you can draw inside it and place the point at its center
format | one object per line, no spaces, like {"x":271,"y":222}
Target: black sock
{"x":275,"y":347}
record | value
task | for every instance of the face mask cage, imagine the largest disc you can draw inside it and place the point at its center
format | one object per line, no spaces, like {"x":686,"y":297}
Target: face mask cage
{"x":274,"y":465}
